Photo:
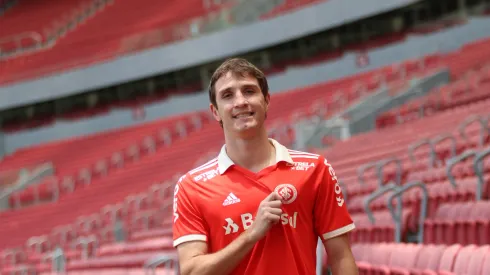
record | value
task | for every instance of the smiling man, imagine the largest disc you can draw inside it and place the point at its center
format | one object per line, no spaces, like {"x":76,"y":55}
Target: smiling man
{"x":258,"y":207}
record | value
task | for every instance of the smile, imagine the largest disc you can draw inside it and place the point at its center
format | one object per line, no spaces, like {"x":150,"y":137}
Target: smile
{"x":244,"y":115}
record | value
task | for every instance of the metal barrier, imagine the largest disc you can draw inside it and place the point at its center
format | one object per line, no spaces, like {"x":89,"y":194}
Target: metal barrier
{"x":363,"y":168}
{"x":166,"y":206}
{"x":376,"y":194}
{"x":84,"y":243}
{"x":453,"y":161}
{"x":114,"y":211}
{"x":483,"y":130}
{"x":151,"y":265}
{"x":156,"y":192}
{"x":143,"y":218}
{"x":486,"y":121}
{"x":149,"y":144}
{"x":35,"y":38}
{"x":181,"y":129}
{"x":165,"y":137}
{"x":101,"y":167}
{"x":89,"y":223}
{"x":197,"y":122}
{"x":383,"y":163}
{"x":51,"y":185}
{"x":85,"y":176}
{"x":397,"y":216}
{"x":418,"y":144}
{"x":117,"y":160}
{"x":38,"y":243}
{"x":23,"y":269}
{"x":9,"y":256}
{"x":57,"y":259}
{"x":133,"y":152}
{"x":65,"y":233}
{"x":133,"y":203}
{"x":68,"y":184}
{"x":478,"y":166}
{"x":379,"y":165}
{"x":441,"y":138}
{"x":119,"y":231}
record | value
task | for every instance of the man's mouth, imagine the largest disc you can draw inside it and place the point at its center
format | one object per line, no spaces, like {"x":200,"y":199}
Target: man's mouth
{"x":244,"y":115}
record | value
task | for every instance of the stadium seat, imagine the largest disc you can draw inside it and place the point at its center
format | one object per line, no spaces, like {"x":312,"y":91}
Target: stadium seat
{"x":414,"y":259}
{"x":463,"y":223}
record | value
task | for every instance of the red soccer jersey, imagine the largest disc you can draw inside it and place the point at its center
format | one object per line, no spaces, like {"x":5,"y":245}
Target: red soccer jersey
{"x":218,"y":201}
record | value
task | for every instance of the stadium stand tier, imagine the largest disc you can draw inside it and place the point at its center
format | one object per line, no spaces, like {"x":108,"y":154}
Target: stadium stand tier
{"x":71,"y":174}
{"x":417,"y":186}
{"x":77,"y":42}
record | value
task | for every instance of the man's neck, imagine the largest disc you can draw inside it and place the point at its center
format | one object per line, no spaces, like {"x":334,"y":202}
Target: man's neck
{"x":254,"y":154}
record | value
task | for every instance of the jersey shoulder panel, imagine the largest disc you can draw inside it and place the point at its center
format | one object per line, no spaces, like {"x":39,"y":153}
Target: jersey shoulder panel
{"x":302,"y":155}
{"x":204,"y":172}
{"x":299,"y":156}
{"x":303,"y":161}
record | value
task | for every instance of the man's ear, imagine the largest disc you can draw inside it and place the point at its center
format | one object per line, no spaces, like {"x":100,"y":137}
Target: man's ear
{"x":267,"y":101}
{"x":214,"y":111}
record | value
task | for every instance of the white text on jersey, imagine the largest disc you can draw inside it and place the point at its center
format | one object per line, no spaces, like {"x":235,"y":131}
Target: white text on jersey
{"x":247,"y":220}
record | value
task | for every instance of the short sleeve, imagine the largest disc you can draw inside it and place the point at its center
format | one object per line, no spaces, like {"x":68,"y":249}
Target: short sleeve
{"x":188,"y":224}
{"x":330,"y":213}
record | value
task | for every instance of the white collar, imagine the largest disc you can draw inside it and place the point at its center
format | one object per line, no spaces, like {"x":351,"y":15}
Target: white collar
{"x":282,"y":154}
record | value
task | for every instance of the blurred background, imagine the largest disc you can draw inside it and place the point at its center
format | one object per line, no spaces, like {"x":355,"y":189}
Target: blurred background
{"x":103,"y":106}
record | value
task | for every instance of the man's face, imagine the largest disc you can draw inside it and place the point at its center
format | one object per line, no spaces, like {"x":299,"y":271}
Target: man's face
{"x":240,"y":104}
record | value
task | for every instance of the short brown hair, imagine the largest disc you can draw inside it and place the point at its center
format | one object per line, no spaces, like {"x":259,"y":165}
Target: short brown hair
{"x":241,"y":67}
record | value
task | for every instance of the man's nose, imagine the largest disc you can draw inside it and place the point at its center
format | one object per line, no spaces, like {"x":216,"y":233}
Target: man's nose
{"x":240,"y":100}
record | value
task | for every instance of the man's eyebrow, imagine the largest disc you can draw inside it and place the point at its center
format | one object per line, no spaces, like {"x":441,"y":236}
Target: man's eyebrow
{"x":253,"y":86}
{"x":244,"y":86}
{"x":223,"y":90}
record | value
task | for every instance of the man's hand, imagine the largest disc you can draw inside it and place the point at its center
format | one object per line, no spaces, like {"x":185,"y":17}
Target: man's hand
{"x":268,"y":214}
{"x":193,"y":256}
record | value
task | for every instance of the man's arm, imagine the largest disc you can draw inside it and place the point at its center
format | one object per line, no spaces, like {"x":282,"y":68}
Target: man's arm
{"x":333,"y":221}
{"x":194,"y":259}
{"x":340,"y":256}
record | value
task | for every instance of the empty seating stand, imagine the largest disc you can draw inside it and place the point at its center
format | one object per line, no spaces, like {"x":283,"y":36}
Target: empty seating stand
{"x":374,"y":148}
{"x":109,"y":40}
{"x":137,"y":199}
{"x":37,"y":16}
{"x":93,"y":160}
{"x":399,"y":258}
{"x":470,"y":72}
{"x":136,"y":210}
{"x":101,"y":37}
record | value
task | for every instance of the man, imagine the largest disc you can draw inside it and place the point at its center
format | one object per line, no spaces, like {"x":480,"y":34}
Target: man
{"x":258,"y":208}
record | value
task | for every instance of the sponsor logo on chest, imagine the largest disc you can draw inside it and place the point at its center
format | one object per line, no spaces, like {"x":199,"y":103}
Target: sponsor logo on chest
{"x":247,"y":219}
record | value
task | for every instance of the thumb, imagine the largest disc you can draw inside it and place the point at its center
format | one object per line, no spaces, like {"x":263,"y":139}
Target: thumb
{"x":272,"y":197}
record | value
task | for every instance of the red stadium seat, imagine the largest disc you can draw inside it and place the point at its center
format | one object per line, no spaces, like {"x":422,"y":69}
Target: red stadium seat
{"x":156,"y":244}
{"x":428,"y":259}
